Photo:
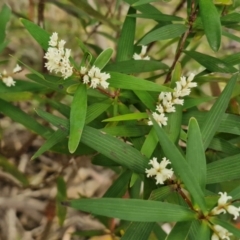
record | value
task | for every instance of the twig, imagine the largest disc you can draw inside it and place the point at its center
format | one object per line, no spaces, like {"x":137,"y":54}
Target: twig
{"x":182,"y":41}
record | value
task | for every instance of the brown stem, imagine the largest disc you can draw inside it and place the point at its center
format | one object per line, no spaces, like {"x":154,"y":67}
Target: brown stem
{"x":185,"y":198}
{"x":179,"y":6}
{"x":182,"y":40}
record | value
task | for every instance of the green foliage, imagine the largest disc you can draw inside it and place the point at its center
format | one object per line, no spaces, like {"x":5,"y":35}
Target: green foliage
{"x":116,"y":125}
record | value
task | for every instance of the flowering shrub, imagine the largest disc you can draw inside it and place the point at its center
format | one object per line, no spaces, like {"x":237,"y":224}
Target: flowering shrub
{"x":130,"y":110}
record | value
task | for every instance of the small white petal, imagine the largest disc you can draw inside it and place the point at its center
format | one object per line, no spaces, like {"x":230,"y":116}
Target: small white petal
{"x":233,"y":210}
{"x":223,"y":198}
{"x":17,"y":69}
{"x":8,"y":81}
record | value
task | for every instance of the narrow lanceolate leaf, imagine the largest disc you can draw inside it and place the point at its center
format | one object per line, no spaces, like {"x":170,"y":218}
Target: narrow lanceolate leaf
{"x":211,"y":63}
{"x":147,"y":99}
{"x":133,"y":209}
{"x":179,"y":231}
{"x":164,"y":33}
{"x":40,"y":35}
{"x":115,"y":149}
{"x":127,"y":117}
{"x":12,"y":170}
{"x":180,"y":166}
{"x":55,"y":138}
{"x":77,"y":117}
{"x":136,"y":66}
{"x":199,"y":230}
{"x":138,"y":230}
{"x":211,"y":23}
{"x":19,"y":116}
{"x":195,"y":153}
{"x":149,"y":144}
{"x":120,"y":186}
{"x":125,"y":45}
{"x":223,"y":170}
{"x":123,"y":81}
{"x":61,"y":196}
{"x":103,"y":58}
{"x":5,"y":15}
{"x":214,"y":116}
{"x":235,"y":193}
{"x":158,"y":17}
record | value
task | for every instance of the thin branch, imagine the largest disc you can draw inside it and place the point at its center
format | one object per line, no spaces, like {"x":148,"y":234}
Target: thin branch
{"x":183,"y":39}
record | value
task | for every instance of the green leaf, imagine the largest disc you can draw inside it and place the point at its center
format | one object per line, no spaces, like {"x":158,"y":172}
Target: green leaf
{"x":163,"y":33}
{"x":138,"y":230}
{"x":49,"y":82}
{"x":77,"y":117}
{"x":84,"y":6}
{"x":179,"y":231}
{"x":180,"y":166}
{"x":96,"y":109}
{"x":211,"y":63}
{"x":115,"y":149}
{"x":12,"y":170}
{"x":21,"y":86}
{"x":149,"y":144}
{"x":125,"y":46}
{"x":158,"y":17}
{"x":223,"y":170}
{"x":195,"y":154}
{"x":136,"y":66}
{"x":39,"y":34}
{"x":103,"y":58}
{"x":5,"y":15}
{"x":147,"y":99}
{"x":127,"y":117}
{"x":228,"y":124}
{"x":142,"y":2}
{"x":119,"y":80}
{"x":214,"y":116}
{"x":199,"y":230}
{"x":19,"y":116}
{"x":61,"y":196}
{"x":120,"y":185}
{"x":211,"y":23}
{"x":127,"y":130}
{"x":231,"y":18}
{"x":161,"y":193}
{"x":133,"y":209}
{"x":55,"y":138}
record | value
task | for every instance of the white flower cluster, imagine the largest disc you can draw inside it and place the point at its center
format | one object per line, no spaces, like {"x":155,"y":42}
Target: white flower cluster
{"x":58,"y":57}
{"x":223,"y":206}
{"x":95,"y":77}
{"x":159,"y":170}
{"x":167,"y":100}
{"x":220,"y":233}
{"x":7,"y":78}
{"x":142,"y":55}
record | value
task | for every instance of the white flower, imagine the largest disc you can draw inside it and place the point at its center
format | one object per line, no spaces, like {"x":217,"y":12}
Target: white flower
{"x":224,"y":206}
{"x":142,"y":55}
{"x":53,"y":40}
{"x":58,"y":57}
{"x":184,"y":86}
{"x":159,"y":170}
{"x":17,"y":69}
{"x":95,"y":77}
{"x":7,"y":78}
{"x":161,"y":119}
{"x":220,"y":233}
